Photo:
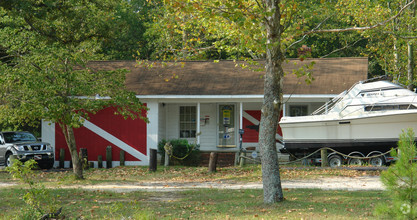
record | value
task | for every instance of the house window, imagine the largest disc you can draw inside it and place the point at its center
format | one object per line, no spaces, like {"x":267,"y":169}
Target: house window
{"x":188,"y":123}
{"x":298,"y":110}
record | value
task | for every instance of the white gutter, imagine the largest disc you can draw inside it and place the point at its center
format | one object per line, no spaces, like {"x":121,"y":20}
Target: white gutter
{"x":218,"y":97}
{"x":199,"y":96}
{"x":231,"y":96}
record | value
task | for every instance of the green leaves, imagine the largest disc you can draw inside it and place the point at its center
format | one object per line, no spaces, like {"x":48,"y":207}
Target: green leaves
{"x":207,"y":30}
{"x":38,"y":199}
{"x":400,"y":180}
{"x":48,"y":76}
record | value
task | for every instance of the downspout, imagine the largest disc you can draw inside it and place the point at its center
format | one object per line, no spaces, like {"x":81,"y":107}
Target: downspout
{"x":198,"y":123}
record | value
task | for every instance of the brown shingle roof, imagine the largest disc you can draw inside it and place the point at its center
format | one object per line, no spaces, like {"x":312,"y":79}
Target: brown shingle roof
{"x":332,"y":76}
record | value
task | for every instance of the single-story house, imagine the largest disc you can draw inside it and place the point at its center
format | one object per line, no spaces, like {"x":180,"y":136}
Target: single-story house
{"x":204,"y":102}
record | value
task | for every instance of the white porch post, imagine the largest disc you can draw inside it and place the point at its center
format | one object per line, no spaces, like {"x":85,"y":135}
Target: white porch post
{"x":198,"y":123}
{"x":283,"y":110}
{"x":240,"y":115}
{"x":238,"y":153}
{"x":152,"y":127}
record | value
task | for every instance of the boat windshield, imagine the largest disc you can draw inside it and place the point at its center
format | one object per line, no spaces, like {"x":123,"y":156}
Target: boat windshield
{"x":389,"y":107}
{"x":13,"y":137}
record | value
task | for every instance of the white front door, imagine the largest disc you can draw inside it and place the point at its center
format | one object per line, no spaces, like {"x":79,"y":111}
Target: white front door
{"x":226,"y":126}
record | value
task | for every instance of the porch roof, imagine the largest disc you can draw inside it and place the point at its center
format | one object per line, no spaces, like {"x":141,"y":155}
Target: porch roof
{"x":332,"y":76}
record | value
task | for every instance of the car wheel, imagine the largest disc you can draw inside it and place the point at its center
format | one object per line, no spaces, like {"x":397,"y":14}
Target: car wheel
{"x":8,"y":161}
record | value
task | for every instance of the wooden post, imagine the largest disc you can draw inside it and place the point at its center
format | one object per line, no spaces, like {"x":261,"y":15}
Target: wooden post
{"x":213,"y":162}
{"x":122,"y":158}
{"x":84,"y":158}
{"x":62,"y":158}
{"x":100,"y":161}
{"x":241,"y":159}
{"x":324,"y":161}
{"x":166,"y":162}
{"x":152,"y":160}
{"x":109,"y":159}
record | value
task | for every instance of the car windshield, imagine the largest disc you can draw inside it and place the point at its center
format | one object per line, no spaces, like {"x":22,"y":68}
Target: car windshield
{"x":13,"y":137}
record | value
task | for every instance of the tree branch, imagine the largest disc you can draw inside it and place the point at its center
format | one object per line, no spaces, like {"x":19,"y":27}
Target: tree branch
{"x":400,"y":36}
{"x":52,"y":36}
{"x":6,"y":57}
{"x":383,"y":23}
{"x":305,"y":35}
{"x":339,"y":49}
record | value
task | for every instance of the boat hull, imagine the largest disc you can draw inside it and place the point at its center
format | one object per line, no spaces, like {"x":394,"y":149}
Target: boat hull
{"x":369,"y":132}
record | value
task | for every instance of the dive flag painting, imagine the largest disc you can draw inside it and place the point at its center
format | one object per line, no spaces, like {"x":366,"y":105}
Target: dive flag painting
{"x":107,"y":129}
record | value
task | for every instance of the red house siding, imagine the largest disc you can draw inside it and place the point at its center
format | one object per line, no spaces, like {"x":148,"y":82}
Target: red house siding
{"x":251,"y":134}
{"x":131,"y":132}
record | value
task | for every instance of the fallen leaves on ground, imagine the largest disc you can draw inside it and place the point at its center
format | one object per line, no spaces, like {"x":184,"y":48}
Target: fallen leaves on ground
{"x":249,"y":173}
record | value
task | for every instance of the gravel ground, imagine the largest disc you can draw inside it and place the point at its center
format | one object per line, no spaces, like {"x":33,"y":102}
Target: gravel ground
{"x":325,"y":183}
{"x":328,"y":183}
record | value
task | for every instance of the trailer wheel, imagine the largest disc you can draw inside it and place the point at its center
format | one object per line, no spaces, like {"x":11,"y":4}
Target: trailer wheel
{"x":335,"y":161}
{"x":377,"y":161}
{"x":355,"y":161}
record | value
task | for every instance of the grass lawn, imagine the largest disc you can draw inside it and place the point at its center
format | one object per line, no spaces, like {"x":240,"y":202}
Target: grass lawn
{"x":192,"y":204}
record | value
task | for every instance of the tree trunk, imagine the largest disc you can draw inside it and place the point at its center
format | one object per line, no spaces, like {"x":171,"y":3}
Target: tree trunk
{"x":271,"y":105}
{"x":410,"y":67}
{"x":70,"y":139}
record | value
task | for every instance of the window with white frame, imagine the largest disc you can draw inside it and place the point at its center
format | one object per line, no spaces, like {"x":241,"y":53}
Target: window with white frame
{"x":298,"y":110}
{"x":188,"y":123}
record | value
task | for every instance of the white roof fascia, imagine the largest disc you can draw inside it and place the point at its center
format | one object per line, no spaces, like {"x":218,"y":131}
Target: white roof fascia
{"x":321,"y":96}
{"x":228,"y":98}
{"x":198,"y":96}
{"x":201,"y":98}
{"x":308,"y":98}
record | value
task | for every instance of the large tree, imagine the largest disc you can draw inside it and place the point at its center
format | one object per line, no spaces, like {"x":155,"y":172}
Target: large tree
{"x":128,"y":40}
{"x":261,"y":29}
{"x":49,"y":44}
{"x":390,"y":30}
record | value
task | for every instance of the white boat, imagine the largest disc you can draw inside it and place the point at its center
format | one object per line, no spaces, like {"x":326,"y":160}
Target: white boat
{"x":363,"y":121}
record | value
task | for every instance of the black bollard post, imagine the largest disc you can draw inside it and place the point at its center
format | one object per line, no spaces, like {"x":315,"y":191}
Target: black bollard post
{"x":108,"y":157}
{"x":62,"y":158}
{"x":152,"y":160}
{"x":122,"y":158}
{"x":100,"y":161}
{"x":84,"y":158}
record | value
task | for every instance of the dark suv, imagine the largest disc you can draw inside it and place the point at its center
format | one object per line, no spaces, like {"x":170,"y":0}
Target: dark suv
{"x":25,"y":146}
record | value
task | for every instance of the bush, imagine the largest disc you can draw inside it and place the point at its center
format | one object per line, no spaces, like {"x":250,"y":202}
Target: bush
{"x":401,"y":181}
{"x":40,"y":204}
{"x":182,"y":152}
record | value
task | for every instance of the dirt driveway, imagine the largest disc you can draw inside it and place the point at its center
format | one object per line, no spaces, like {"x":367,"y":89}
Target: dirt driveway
{"x":326,"y":183}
